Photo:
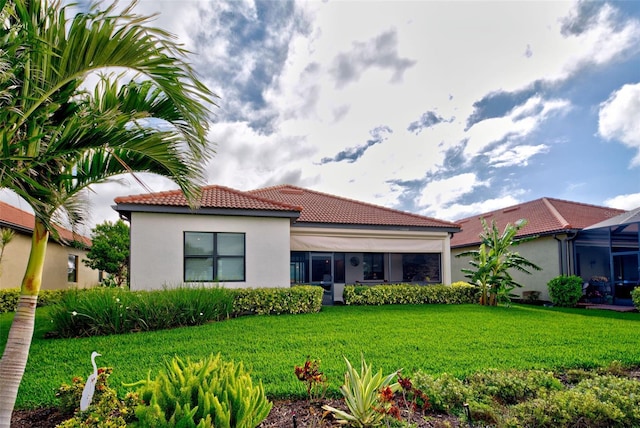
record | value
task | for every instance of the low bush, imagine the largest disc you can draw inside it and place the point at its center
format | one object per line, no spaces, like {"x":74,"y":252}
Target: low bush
{"x":635,"y":295}
{"x":512,"y":386}
{"x":409,"y":294}
{"x":105,"y":410}
{"x":565,"y":290}
{"x":301,"y":299}
{"x":207,"y":393}
{"x":446,"y":393}
{"x":9,"y":298}
{"x":598,"y":401}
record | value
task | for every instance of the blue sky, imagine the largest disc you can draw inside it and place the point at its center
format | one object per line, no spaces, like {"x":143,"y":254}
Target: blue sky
{"x":445,"y":109}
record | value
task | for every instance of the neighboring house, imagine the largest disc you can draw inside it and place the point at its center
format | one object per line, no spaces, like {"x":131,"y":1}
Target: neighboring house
{"x":555,"y":223}
{"x":63,"y":262}
{"x":278,"y":236}
{"x":608,"y":256}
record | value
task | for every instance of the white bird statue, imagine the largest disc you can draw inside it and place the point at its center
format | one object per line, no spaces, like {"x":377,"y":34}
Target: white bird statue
{"x":90,"y":386}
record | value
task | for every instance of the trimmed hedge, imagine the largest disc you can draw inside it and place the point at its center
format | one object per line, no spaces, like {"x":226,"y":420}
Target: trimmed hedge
{"x":635,"y":296}
{"x":301,"y":299}
{"x":9,"y":298}
{"x":408,"y":294}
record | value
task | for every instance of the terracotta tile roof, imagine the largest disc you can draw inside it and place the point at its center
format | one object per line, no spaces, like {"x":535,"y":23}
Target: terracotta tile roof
{"x":212,"y":197}
{"x":16,"y":218}
{"x":544,"y":216}
{"x":324,"y":208}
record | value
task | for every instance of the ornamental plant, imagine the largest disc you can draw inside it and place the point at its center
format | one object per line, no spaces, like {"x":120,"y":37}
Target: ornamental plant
{"x":565,"y":290}
{"x":635,"y":296}
{"x":106,"y":409}
{"x":493,"y":262}
{"x":361,"y":392}
{"x":315,"y":380}
{"x":209,"y":393}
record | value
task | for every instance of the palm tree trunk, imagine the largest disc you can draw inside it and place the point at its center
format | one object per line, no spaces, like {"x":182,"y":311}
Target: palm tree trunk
{"x":16,"y":352}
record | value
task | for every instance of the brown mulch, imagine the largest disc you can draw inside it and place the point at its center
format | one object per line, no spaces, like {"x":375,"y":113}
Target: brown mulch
{"x":282,"y":415}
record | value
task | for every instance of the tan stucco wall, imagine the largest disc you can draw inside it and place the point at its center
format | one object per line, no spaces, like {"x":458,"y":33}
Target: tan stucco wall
{"x":157,"y":248}
{"x":542,"y":251}
{"x":54,"y":276}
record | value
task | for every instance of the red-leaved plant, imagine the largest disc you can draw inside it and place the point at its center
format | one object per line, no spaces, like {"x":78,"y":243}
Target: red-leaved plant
{"x":316,"y":381}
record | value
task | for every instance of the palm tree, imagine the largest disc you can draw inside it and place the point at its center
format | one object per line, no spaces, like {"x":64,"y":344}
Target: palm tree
{"x":58,"y":137}
{"x":493,"y":261}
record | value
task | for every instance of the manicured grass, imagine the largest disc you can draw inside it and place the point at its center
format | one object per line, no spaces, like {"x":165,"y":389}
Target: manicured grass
{"x":458,"y":339}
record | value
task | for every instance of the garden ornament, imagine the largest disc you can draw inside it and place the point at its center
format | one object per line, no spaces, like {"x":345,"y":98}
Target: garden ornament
{"x":90,"y":386}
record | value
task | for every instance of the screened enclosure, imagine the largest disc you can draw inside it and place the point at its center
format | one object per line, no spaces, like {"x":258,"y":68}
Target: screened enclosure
{"x":608,"y":258}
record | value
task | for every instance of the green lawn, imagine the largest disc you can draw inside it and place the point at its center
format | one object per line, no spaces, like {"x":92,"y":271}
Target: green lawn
{"x":435,"y":338}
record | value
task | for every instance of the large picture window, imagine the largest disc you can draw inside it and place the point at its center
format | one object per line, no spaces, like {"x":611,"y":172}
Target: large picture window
{"x":421,"y":267}
{"x":210,"y":256}
{"x":373,"y":266}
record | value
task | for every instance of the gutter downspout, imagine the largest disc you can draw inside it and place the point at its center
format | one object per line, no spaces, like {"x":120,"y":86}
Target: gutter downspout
{"x":565,"y":263}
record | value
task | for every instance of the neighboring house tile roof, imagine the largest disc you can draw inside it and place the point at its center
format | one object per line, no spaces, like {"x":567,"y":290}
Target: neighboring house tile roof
{"x":632,"y":216}
{"x":323,"y":208}
{"x":212,"y":197}
{"x":15,"y":218}
{"x":544,"y":216}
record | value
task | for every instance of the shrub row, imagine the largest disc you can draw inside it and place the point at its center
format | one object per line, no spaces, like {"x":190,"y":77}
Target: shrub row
{"x":301,"y":299}
{"x":537,"y":398}
{"x":103,"y":311}
{"x":9,"y":298}
{"x":409,"y":294}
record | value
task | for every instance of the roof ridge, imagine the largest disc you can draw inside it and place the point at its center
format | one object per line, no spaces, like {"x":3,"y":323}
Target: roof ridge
{"x":584,"y":204}
{"x":368,"y":204}
{"x":260,"y":198}
{"x":546,"y":200}
{"x":563,"y":221}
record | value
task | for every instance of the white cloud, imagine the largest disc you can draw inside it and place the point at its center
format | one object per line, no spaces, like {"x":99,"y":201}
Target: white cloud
{"x":619,"y":118}
{"x":460,"y":211}
{"x":624,"y":202}
{"x":519,"y":123}
{"x":440,"y":193}
{"x":515,"y":156}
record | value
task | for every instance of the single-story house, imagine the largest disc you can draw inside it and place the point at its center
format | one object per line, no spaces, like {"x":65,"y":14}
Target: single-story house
{"x":278,"y":236}
{"x":608,"y":257}
{"x":63,"y":266}
{"x":555,"y":223}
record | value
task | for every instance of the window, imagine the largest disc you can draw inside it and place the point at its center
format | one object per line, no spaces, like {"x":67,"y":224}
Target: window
{"x":214,"y":256}
{"x":72,"y":268}
{"x":373,"y":266}
{"x":421,"y":267}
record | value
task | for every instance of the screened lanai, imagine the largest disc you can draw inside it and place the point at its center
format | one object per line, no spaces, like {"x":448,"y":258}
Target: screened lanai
{"x":608,"y":258}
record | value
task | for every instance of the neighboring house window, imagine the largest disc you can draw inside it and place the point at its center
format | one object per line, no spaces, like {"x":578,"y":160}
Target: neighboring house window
{"x":373,"y":266}
{"x":72,"y":268}
{"x":423,"y":267}
{"x":212,"y":256}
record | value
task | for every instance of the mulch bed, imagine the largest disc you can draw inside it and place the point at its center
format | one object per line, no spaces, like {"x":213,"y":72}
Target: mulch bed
{"x":282,"y":415}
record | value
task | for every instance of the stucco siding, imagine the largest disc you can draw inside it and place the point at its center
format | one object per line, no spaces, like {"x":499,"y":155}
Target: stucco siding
{"x":157,"y":248}
{"x":54,"y":276}
{"x":542,"y":251}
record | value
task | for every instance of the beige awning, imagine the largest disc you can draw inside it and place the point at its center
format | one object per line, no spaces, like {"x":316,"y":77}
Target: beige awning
{"x":366,"y":244}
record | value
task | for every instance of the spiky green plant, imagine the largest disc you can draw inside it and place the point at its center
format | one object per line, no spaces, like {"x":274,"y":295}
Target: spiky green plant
{"x":361,"y":393}
{"x":207,"y":393}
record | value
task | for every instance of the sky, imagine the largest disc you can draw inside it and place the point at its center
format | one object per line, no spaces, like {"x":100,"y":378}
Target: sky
{"x":441,"y":108}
